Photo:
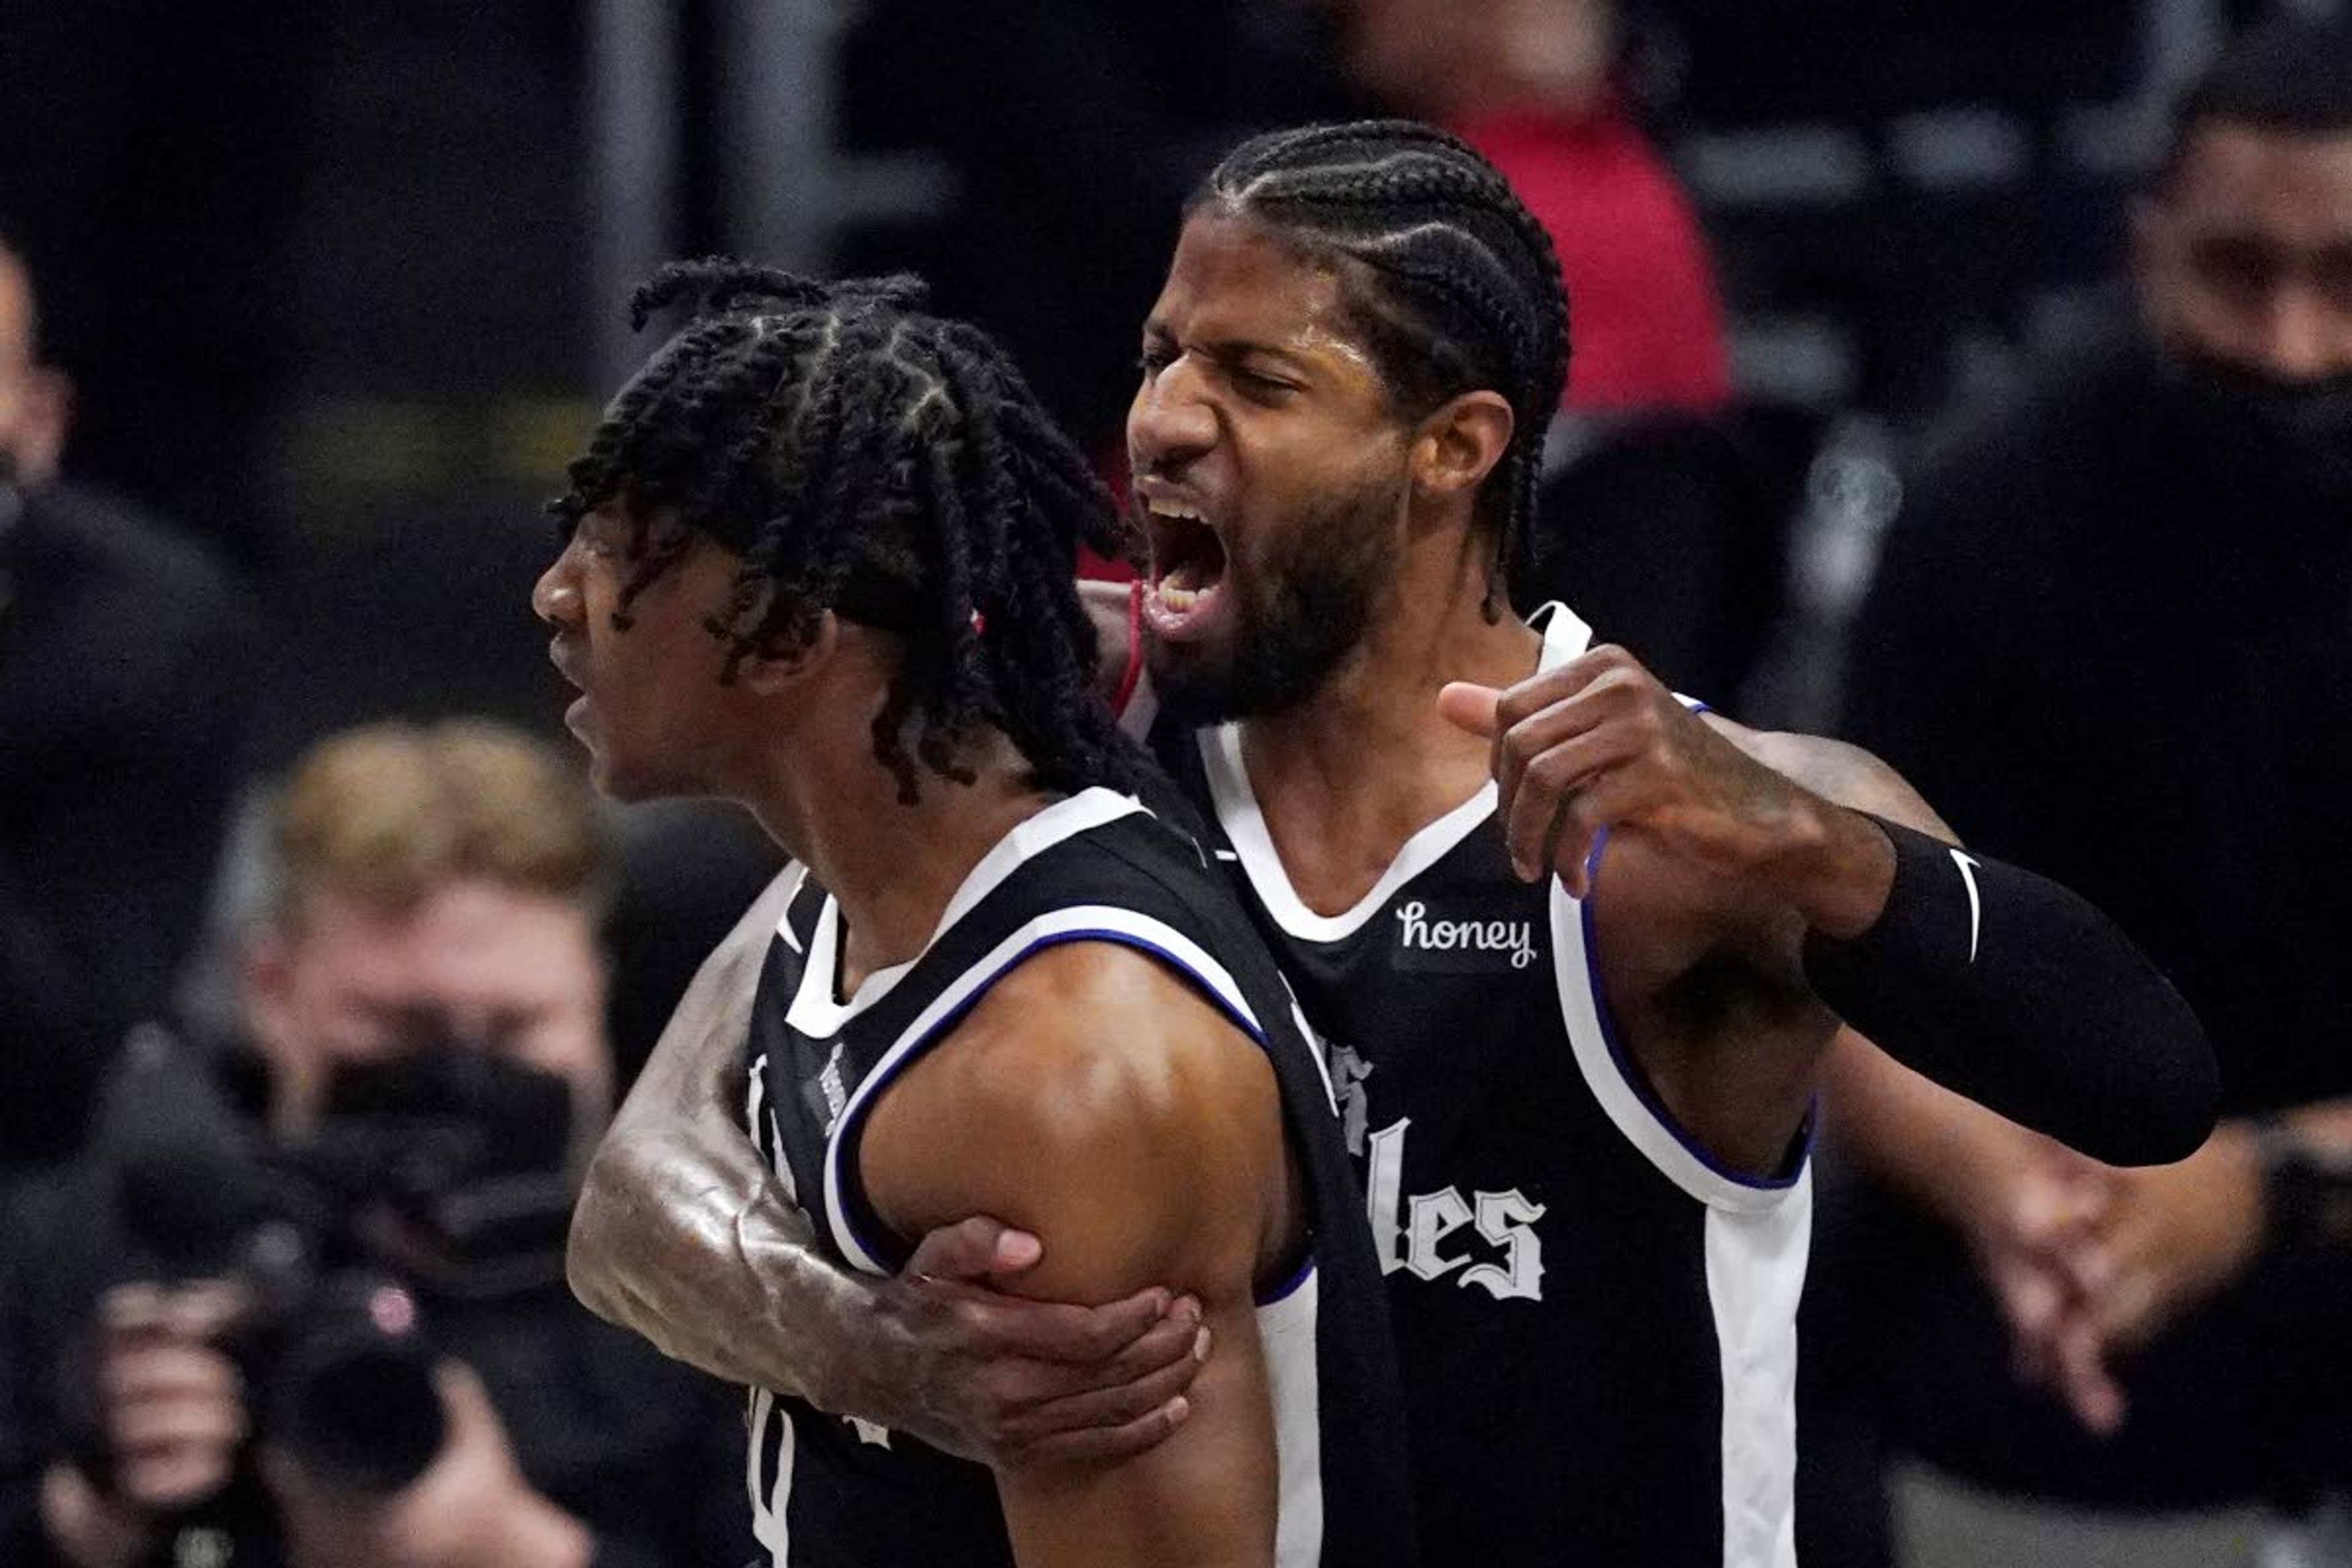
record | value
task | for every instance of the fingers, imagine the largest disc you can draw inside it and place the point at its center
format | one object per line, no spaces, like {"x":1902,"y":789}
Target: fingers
{"x":1469,"y":707}
{"x":1554,"y":813}
{"x":973,"y":1250}
{"x":1166,"y":1359}
{"x":2084,"y":1381}
{"x":993,"y":1327}
{"x":174,"y":1405}
{"x":1103,"y":1444}
{"x":1115,"y":1408}
{"x":1555,"y":739}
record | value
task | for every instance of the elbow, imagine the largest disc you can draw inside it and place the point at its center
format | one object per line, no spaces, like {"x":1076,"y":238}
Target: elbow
{"x":2168,"y":1108}
{"x":2178,"y":1121}
{"x":594,"y":1247}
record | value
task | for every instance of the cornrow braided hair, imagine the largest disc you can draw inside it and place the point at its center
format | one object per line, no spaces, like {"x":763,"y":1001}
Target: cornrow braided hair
{"x":890,"y":466}
{"x":1462,"y":286}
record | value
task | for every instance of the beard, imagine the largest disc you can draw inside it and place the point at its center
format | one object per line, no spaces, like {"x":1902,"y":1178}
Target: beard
{"x":1302,"y":609}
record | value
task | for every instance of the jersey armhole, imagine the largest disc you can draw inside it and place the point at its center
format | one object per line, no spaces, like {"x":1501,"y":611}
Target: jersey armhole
{"x":1625,"y":1094}
{"x":865,"y":1239}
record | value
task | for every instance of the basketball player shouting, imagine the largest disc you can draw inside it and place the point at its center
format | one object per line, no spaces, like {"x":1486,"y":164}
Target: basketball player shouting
{"x":1577,"y":953}
{"x":818,"y":562}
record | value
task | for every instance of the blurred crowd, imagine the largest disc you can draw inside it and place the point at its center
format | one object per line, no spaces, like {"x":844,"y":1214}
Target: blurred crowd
{"x":306,"y":1026}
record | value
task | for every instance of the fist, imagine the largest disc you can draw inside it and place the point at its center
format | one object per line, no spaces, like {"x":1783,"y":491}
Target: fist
{"x":1598,"y":742}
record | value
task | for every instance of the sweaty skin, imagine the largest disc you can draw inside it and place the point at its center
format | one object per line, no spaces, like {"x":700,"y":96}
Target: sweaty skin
{"x":683,"y":1235}
{"x":681,"y":1232}
{"x":1726,"y":849}
{"x":1099,"y":1103}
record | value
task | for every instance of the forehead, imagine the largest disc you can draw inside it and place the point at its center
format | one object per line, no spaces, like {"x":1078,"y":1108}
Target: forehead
{"x":1236,"y":279}
{"x":469,"y":941}
{"x":2292,"y":185}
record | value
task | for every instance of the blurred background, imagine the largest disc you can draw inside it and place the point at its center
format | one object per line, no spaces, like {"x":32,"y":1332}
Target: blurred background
{"x":328,"y":293}
{"x":340,"y":285}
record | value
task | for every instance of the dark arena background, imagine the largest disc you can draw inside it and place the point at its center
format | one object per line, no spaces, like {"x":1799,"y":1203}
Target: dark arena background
{"x":305,"y":307}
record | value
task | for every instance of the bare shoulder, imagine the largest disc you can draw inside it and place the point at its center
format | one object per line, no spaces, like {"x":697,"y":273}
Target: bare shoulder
{"x":1097,"y":1100}
{"x":1838,"y":772}
{"x":1130,"y":1046}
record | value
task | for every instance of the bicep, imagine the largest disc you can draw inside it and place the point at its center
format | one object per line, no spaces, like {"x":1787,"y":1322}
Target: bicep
{"x":1206,"y":1496}
{"x":1158,"y":1160}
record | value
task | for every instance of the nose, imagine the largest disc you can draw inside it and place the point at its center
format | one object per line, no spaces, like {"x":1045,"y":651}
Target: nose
{"x":1170,"y":423}
{"x":555,"y":597}
{"x":2305,"y":337}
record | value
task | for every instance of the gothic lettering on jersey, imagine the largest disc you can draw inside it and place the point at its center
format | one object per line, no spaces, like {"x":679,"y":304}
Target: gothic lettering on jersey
{"x":1349,"y":1071}
{"x":1457,"y":942}
{"x":1502,"y":1252}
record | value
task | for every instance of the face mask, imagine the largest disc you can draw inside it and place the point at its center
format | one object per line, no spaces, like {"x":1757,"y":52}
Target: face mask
{"x":442,"y":1119}
{"x":2288,"y":442}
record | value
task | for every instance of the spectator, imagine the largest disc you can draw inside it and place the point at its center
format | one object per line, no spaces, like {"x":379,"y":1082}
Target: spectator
{"x":2132,"y":583}
{"x":1531,"y":84}
{"x":426,"y":1065}
{"x":124,"y":651}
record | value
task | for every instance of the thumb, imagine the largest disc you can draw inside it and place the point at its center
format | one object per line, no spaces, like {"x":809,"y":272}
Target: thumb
{"x":974,"y":1248}
{"x":1468,"y":706}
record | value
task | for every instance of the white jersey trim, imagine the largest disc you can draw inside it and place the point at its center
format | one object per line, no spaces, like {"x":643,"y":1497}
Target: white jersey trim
{"x":1078,"y":922}
{"x":771,"y":1522}
{"x":1755,"y":1275}
{"x":1288,"y":1329}
{"x":1564,"y":636}
{"x":815,"y":1010}
{"x":1665,"y":1145}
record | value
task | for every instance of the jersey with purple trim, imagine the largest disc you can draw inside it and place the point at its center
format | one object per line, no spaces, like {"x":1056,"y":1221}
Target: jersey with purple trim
{"x":1097,"y":867}
{"x":1595,"y":1325}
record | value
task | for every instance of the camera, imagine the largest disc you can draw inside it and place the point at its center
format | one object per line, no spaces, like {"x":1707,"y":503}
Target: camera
{"x":437,"y":1173}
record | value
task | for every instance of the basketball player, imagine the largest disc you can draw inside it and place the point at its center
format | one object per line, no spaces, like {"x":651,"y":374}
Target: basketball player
{"x":818,"y":561}
{"x":1576,"y":1011}
{"x":1577,"y":951}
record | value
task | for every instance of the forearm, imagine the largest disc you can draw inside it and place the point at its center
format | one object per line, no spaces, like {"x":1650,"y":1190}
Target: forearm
{"x":1930,"y":1146}
{"x":684,"y":1237}
{"x":2007,"y":988}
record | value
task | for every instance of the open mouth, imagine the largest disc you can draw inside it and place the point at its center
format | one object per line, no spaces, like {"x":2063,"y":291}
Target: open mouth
{"x":1188,"y":566}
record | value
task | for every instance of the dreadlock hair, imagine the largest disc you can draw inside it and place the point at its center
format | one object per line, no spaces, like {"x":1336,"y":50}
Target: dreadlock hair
{"x":1454,"y":283}
{"x":886,"y":465}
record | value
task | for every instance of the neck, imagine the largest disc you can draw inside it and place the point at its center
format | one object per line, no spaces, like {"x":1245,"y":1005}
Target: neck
{"x":1309,"y":762}
{"x":891,"y":866}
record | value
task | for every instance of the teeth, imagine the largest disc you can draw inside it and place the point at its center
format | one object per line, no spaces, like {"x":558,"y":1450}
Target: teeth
{"x":1179,"y":599}
{"x":1172,"y":509}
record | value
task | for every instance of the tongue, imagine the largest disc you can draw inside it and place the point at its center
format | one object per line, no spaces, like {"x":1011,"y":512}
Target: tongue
{"x":1188,"y":577}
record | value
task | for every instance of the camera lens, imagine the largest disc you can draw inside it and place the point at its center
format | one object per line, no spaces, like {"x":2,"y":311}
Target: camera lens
{"x":356,"y":1400}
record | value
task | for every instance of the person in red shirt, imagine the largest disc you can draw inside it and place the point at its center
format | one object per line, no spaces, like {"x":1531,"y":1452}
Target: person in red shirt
{"x":1529,"y":83}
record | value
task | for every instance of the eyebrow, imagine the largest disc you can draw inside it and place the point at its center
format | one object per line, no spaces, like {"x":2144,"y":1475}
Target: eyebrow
{"x":1228,"y":351}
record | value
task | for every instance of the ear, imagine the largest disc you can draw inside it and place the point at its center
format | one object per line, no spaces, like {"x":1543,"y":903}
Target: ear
{"x":1460,"y":444}
{"x":784,"y":661}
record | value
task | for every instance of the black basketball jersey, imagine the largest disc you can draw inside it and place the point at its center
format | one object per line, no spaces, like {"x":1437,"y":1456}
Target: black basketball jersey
{"x":1595,"y":1324}
{"x":1097,"y":867}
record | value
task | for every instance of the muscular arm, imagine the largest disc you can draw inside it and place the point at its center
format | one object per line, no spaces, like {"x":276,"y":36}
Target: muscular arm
{"x":681,"y":1232}
{"x":1099,"y":1103}
{"x":1762,"y":906}
{"x":2059,"y":1024}
{"x":683,"y":1235}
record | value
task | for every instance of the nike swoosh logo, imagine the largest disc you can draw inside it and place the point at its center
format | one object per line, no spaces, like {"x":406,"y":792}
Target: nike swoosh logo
{"x":1976,"y":905}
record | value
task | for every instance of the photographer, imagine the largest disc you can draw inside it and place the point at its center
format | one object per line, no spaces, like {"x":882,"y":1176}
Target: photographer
{"x":304,"y":1304}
